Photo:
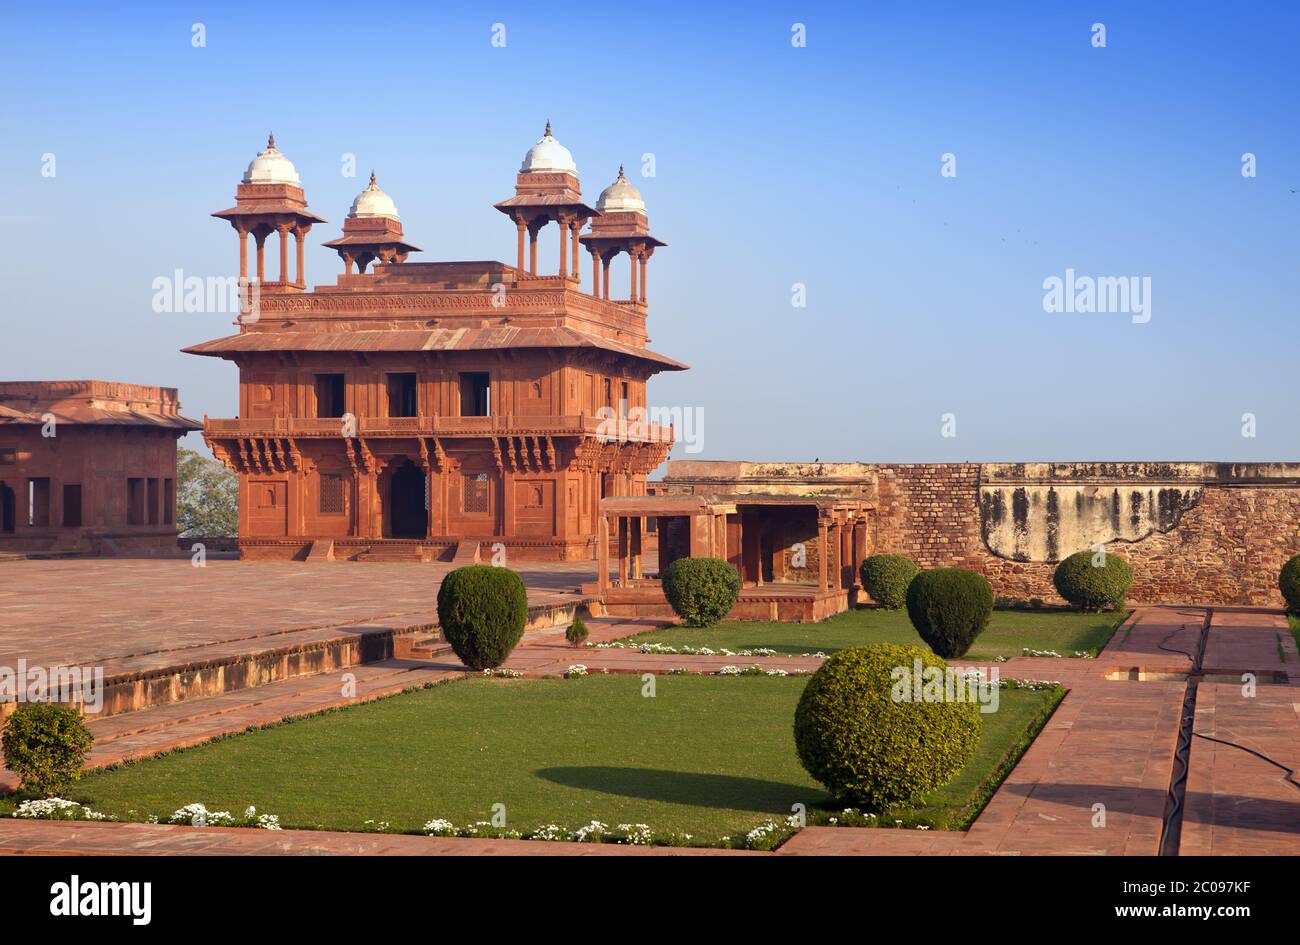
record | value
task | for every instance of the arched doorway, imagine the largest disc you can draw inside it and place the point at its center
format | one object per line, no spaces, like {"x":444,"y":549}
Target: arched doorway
{"x":7,"y":507}
{"x":407,"y":516}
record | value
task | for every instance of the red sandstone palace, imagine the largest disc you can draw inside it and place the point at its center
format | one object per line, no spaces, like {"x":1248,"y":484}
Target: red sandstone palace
{"x":413,"y":409}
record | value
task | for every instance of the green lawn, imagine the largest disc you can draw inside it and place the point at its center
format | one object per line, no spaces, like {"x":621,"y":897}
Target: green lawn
{"x":708,"y":756}
{"x":1008,"y":633}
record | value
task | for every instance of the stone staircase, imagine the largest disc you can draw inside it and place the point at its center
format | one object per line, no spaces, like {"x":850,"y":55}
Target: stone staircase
{"x":153,"y":729}
{"x":394,"y":553}
{"x":466,"y":553}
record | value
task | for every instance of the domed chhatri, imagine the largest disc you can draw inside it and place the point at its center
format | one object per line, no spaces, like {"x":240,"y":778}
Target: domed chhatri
{"x":620,"y":197}
{"x":372,"y":232}
{"x":269,"y":200}
{"x":373,"y":202}
{"x":547,"y":190}
{"x":271,"y":167}
{"x":620,"y":226}
{"x":548,"y":156}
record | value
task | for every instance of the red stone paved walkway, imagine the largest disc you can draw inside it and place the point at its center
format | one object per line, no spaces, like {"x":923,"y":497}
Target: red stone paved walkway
{"x":53,"y":837}
{"x":88,"y":611}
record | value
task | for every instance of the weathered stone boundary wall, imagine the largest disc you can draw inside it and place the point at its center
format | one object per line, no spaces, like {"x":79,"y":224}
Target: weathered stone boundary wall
{"x":1206,"y":532}
{"x":1215,"y":533}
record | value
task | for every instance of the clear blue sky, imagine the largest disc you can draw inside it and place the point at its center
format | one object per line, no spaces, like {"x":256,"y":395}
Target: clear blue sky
{"x":775,"y":165}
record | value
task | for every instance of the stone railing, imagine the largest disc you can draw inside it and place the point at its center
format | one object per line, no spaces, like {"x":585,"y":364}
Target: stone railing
{"x":501,"y":425}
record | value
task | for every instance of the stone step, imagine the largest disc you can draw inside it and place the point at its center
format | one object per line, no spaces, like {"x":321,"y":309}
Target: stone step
{"x":154,"y":718}
{"x":466,"y":553}
{"x":382,"y":553}
{"x":156,"y":729}
{"x":163,"y":677}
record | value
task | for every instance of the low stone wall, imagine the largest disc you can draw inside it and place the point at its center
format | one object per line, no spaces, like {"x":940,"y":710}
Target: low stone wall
{"x":1215,"y":533}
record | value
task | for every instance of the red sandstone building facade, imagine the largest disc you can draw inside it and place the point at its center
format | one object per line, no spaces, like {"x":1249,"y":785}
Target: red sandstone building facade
{"x":88,"y":467}
{"x":432,"y":410}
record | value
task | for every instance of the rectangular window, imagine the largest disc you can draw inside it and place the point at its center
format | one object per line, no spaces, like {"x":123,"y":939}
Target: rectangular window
{"x":330,"y":399}
{"x":169,"y":501}
{"x":38,"y":503}
{"x":72,"y":506}
{"x":622,"y":403}
{"x":475,"y":394}
{"x":331,"y":495}
{"x":474,"y":495}
{"x":134,"y":501}
{"x":609,"y":392}
{"x":402,"y":395}
{"x":8,"y":456}
{"x":153,"y":501}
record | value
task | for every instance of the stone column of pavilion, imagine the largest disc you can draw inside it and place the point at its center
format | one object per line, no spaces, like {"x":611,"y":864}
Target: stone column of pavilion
{"x":268,"y":200}
{"x":621,"y":227}
{"x":372,"y":232}
{"x":547,"y":189}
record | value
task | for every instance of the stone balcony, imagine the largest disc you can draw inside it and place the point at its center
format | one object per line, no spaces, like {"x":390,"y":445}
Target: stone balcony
{"x":613,"y":429}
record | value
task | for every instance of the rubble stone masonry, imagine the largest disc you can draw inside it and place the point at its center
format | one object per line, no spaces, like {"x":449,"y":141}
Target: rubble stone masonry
{"x":1207,"y":532}
{"x":1214,"y":533}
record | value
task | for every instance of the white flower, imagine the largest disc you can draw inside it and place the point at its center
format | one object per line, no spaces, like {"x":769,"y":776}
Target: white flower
{"x":593,"y":832}
{"x":635,"y":834}
{"x":577,"y":669}
{"x":56,"y":808}
{"x":440,"y":828}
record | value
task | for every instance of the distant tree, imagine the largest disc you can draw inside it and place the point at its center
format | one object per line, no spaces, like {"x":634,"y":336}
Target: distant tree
{"x":207,"y":496}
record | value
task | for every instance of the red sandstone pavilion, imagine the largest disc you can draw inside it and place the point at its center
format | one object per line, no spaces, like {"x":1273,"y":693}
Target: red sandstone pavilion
{"x":420,"y":410}
{"x":88,"y":467}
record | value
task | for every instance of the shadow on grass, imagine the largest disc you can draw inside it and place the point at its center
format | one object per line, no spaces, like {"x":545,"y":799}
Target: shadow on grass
{"x":688,"y":788}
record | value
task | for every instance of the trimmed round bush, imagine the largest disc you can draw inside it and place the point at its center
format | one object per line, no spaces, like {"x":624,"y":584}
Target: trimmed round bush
{"x":701,"y":590}
{"x":1288,"y":582}
{"x":482,"y":610}
{"x":45,"y":745}
{"x":858,"y":731}
{"x":577,"y":633}
{"x":949,"y":607}
{"x":1089,"y":587}
{"x":886,"y":577}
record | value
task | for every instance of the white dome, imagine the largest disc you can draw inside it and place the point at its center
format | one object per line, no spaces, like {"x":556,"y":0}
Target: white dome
{"x":271,"y":167}
{"x":373,"y":202}
{"x":620,"y":197}
{"x":548,"y":156}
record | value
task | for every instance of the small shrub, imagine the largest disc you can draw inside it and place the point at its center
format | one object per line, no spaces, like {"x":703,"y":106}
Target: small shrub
{"x":45,"y":745}
{"x":1092,"y":588}
{"x":949,"y":607}
{"x":482,"y":611}
{"x":886,"y":577}
{"x":577,"y":633}
{"x":701,"y":590}
{"x":870,"y":749}
{"x":1288,"y":582}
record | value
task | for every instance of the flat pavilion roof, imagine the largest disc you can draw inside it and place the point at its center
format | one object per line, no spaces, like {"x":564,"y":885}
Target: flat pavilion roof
{"x":724,"y":502}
